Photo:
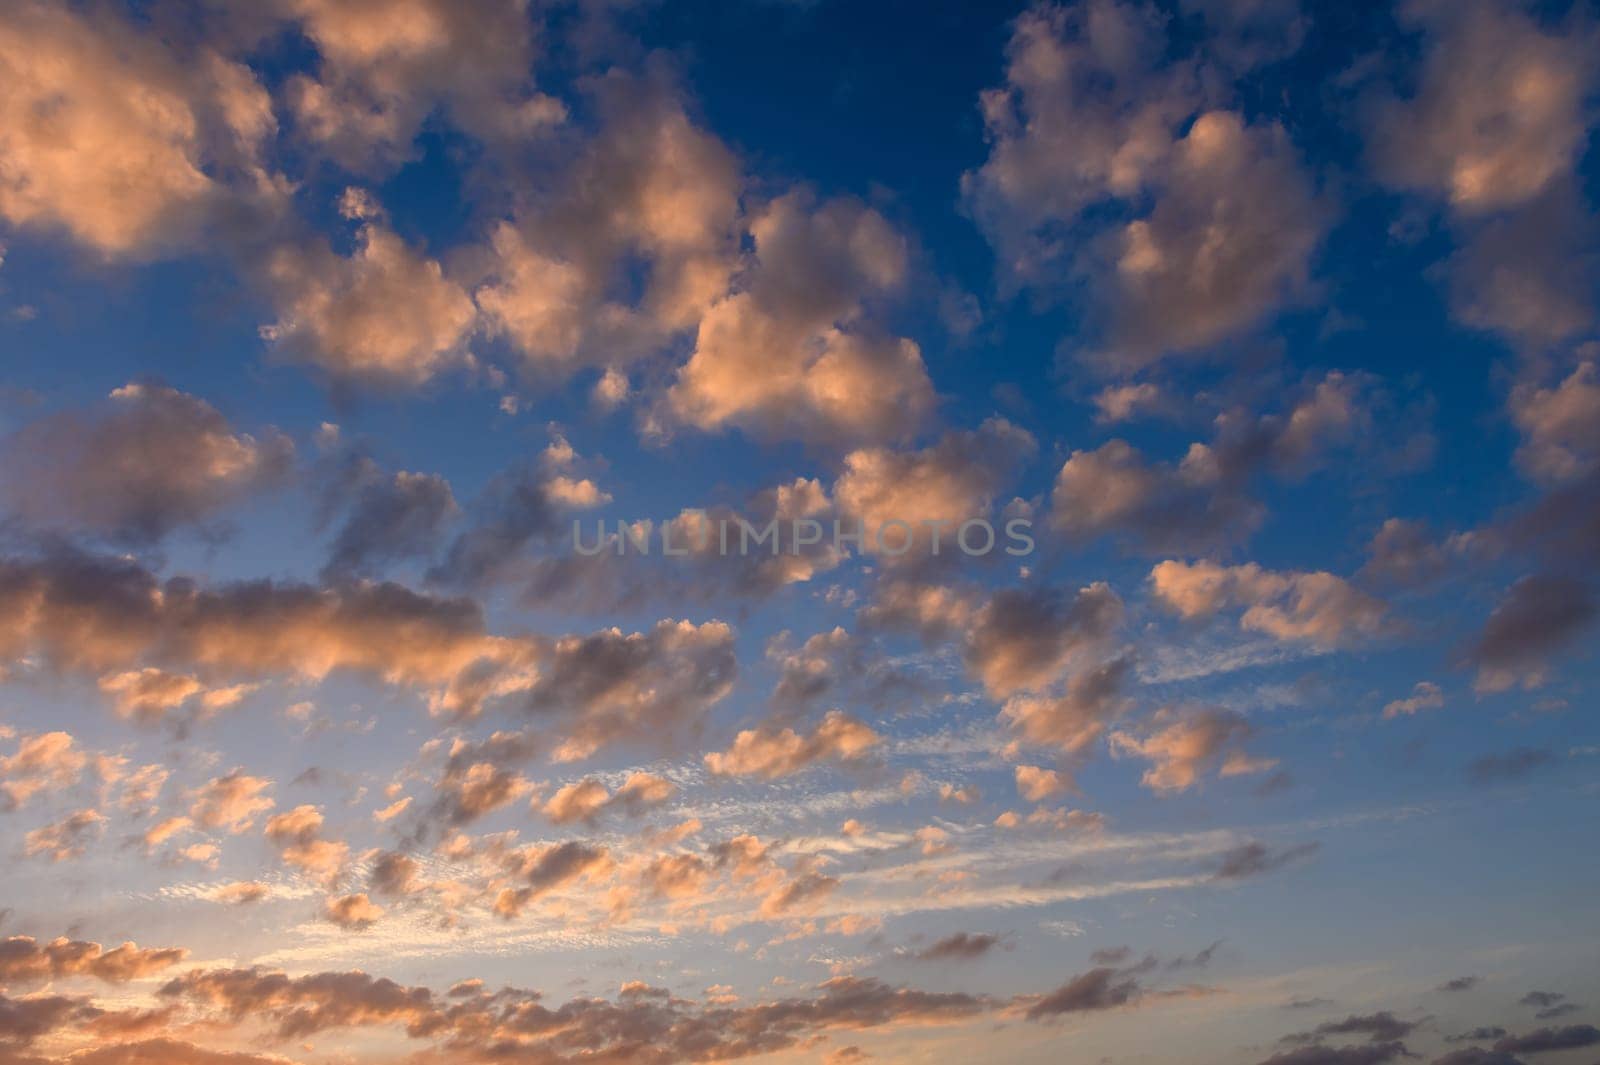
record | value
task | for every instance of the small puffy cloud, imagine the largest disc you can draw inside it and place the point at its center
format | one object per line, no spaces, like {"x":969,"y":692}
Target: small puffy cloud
{"x":1185,"y":745}
{"x":612,"y":686}
{"x":386,"y":66}
{"x":384,"y":315}
{"x":148,"y":460}
{"x":1560,"y":425}
{"x":585,"y":800}
{"x":1538,"y":616}
{"x":121,"y":141}
{"x":66,"y":839}
{"x":962,"y":946}
{"x":770,"y":753}
{"x":1317,"y":608}
{"x":1036,"y":784}
{"x":652,"y":198}
{"x":1499,"y":112}
{"x":793,"y":352}
{"x":391,"y":517}
{"x":353,"y":912}
{"x":231,"y":802}
{"x":298,"y":835}
{"x":949,"y":483}
{"x":1426,"y":695}
{"x":48,"y":761}
{"x":1072,"y":719}
{"x":1225,"y":220}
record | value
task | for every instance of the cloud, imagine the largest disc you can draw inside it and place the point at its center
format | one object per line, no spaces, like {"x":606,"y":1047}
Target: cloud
{"x":391,"y":517}
{"x":1512,"y":765}
{"x":1317,"y":608}
{"x":23,"y":960}
{"x":1078,"y":716}
{"x":793,"y":353}
{"x":65,"y":839}
{"x":587,"y":799}
{"x":1186,"y":744}
{"x":353,"y":912}
{"x":1460,"y":983}
{"x":1499,"y":111}
{"x":148,"y":460}
{"x":1363,"y":1054}
{"x":949,"y":483}
{"x":385,"y":67}
{"x":84,"y":612}
{"x":1539,"y":615}
{"x":545,"y":869}
{"x":1425,"y":695}
{"x":1101,"y":988}
{"x":230,"y":802}
{"x":1022,"y":639}
{"x":1544,"y":1040}
{"x":1035,"y":784}
{"x":384,"y":315}
{"x":652,"y":197}
{"x":1255,"y":859}
{"x":961,"y":946}
{"x":127,"y":145}
{"x":298,"y":836}
{"x":1202,"y":502}
{"x":1560,"y":438}
{"x":48,"y":761}
{"x":1091,"y":125}
{"x":769,"y":752}
{"x":1381,"y":1027}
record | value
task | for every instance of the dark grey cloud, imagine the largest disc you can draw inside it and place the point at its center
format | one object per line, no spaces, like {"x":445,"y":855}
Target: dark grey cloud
{"x":1512,"y":765}
{"x":1255,"y":859}
{"x":1545,"y":1040}
{"x":961,"y":946}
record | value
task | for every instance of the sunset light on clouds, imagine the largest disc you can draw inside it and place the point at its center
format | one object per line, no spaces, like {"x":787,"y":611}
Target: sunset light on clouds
{"x":799,"y":531}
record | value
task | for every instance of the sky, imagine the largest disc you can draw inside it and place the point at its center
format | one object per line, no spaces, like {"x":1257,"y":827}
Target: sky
{"x":376,"y":690}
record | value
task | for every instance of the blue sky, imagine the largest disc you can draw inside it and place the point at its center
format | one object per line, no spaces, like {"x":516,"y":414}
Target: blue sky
{"x":322,"y":324}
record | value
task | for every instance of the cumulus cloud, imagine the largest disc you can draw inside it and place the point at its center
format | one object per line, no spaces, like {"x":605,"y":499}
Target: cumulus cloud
{"x":1225,"y":218}
{"x":121,"y":141}
{"x":390,"y":518}
{"x":23,"y":960}
{"x":298,"y":836}
{"x":770,"y":752}
{"x":1426,"y":695}
{"x":1499,"y":111}
{"x":947,"y":484}
{"x":586,"y":800}
{"x":793,"y":352}
{"x":651,"y":191}
{"x":1538,"y":616}
{"x":383,"y":315}
{"x":231,"y":802}
{"x":1185,"y":745}
{"x":1317,"y":608}
{"x":45,"y":762}
{"x":1560,"y":425}
{"x":353,"y":912}
{"x":1202,"y":502}
{"x":82,"y":612}
{"x":66,"y":839}
{"x":611,"y":685}
{"x":386,"y":66}
{"x":146,"y":461}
